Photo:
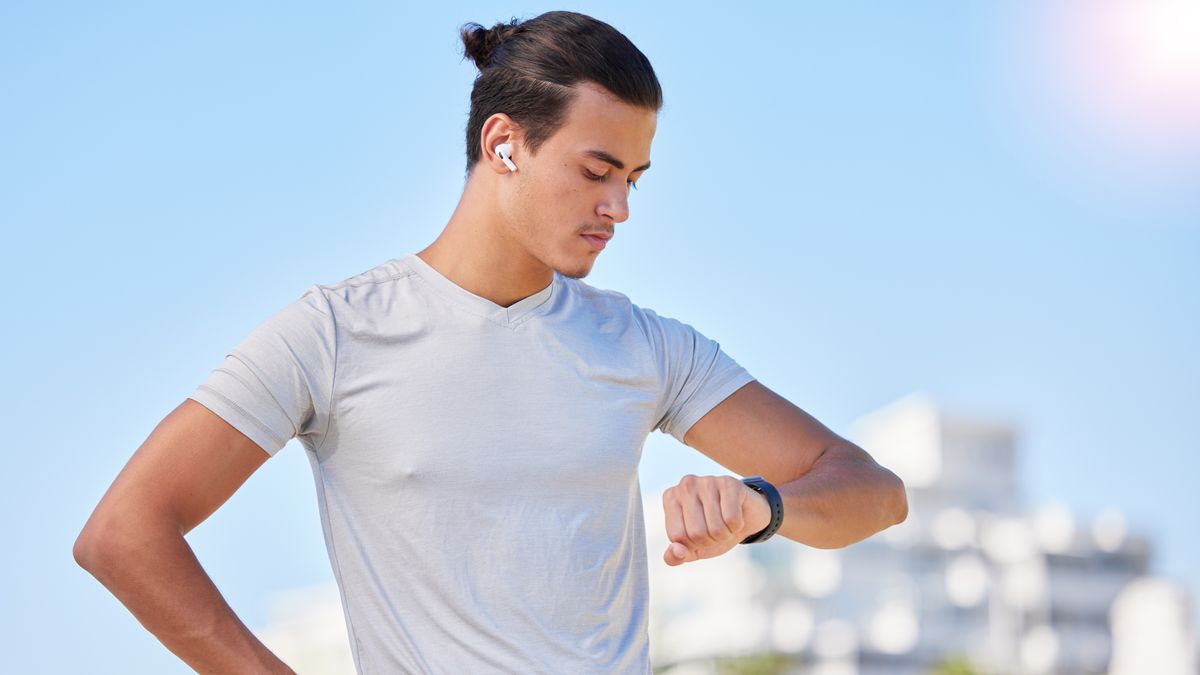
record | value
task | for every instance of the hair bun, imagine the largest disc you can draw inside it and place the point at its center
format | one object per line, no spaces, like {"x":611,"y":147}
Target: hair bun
{"x":480,"y":44}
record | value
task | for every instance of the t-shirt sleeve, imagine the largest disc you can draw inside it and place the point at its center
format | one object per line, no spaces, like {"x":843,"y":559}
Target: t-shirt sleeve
{"x":696,"y":374}
{"x":277,"y":382}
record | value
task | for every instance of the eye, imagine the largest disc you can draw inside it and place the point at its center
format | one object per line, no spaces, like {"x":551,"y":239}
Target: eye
{"x":600,"y":178}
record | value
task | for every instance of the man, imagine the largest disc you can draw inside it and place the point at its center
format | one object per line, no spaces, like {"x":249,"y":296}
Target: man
{"x":474,"y":414}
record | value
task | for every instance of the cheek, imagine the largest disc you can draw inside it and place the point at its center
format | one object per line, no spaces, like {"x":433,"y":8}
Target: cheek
{"x":552,"y":203}
{"x":567,"y":181}
{"x":562,"y":197}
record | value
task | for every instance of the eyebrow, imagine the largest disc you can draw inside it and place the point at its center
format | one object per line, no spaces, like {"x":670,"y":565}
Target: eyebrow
{"x":605,"y":157}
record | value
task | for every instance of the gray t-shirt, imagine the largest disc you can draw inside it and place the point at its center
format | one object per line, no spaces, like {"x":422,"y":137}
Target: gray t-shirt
{"x":476,"y":465}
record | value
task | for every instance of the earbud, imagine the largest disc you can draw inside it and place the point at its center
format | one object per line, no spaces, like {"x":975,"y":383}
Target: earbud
{"x":504,"y":152}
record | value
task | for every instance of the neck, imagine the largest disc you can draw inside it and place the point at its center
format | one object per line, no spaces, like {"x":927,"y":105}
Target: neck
{"x":476,"y":250}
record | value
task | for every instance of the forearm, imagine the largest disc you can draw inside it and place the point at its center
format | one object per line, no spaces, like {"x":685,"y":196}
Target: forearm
{"x":844,"y":498}
{"x":154,"y":573}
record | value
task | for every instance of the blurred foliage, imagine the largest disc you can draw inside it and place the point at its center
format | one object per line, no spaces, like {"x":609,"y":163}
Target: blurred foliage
{"x":756,"y":664}
{"x":753,"y":664}
{"x":954,"y":665}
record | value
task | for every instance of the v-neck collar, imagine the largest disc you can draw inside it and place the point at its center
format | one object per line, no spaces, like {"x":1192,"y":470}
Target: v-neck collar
{"x":506,"y":316}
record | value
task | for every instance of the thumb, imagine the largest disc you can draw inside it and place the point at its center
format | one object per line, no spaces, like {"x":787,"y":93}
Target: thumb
{"x":675,"y":554}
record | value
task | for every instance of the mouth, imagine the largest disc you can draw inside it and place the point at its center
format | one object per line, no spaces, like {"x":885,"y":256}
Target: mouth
{"x":598,"y":242}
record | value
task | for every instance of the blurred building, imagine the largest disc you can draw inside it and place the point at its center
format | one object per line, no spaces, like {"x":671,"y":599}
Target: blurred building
{"x":972,"y":582}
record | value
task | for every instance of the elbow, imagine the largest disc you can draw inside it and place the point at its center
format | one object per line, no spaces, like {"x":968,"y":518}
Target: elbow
{"x":118,"y":537}
{"x":101,"y":543}
{"x":888,"y":507}
{"x":88,"y":550}
{"x":84,"y":550}
{"x":897,"y":511}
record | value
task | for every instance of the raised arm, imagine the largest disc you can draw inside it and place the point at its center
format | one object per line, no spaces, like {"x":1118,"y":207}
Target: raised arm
{"x":134,"y":544}
{"x":834,"y":493}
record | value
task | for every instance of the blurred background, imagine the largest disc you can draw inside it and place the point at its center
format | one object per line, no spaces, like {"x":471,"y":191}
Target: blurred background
{"x":965,"y":235}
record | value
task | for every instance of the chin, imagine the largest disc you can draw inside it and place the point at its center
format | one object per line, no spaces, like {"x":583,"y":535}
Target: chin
{"x":575,"y":270}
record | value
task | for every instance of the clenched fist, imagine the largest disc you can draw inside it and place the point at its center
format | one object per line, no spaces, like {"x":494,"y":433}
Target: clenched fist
{"x":708,"y":515}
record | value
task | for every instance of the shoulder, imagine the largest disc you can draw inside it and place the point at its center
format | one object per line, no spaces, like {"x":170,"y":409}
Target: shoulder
{"x":603,"y":302}
{"x":615,"y":305}
{"x":369,"y":292}
{"x":384,"y":273}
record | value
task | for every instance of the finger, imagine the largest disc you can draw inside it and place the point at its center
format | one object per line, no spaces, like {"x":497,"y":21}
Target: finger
{"x":731,"y":506}
{"x":710,"y":501}
{"x":695,"y":522}
{"x":676,"y":554}
{"x":673,"y":516}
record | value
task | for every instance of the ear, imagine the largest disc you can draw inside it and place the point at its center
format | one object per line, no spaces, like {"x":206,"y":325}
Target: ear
{"x":497,"y":129}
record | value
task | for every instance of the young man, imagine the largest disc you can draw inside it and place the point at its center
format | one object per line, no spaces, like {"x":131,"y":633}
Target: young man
{"x":474,"y":414}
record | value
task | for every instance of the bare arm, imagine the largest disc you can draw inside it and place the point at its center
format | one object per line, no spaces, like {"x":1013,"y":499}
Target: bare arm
{"x":833,"y":493}
{"x":134,"y":544}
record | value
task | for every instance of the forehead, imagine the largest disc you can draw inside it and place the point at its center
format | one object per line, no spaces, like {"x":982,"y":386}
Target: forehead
{"x":597,"y":119}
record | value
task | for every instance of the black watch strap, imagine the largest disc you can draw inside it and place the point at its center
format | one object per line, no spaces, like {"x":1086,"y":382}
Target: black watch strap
{"x":774,"y":499}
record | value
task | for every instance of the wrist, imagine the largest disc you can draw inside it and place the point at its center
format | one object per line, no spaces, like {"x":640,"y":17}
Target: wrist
{"x":774,"y":501}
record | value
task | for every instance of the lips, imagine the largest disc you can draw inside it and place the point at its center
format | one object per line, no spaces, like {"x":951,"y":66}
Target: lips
{"x":596,"y":241}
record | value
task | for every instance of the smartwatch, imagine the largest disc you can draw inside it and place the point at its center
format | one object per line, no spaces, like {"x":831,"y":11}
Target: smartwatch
{"x":761,"y":486}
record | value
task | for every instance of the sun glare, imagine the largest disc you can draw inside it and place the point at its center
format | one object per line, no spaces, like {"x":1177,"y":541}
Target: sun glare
{"x":1131,"y":67}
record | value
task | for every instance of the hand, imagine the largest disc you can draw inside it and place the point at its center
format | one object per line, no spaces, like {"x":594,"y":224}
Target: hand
{"x":708,"y":515}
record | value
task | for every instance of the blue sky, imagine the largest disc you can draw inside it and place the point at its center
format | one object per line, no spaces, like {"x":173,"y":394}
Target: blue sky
{"x":857,"y":201}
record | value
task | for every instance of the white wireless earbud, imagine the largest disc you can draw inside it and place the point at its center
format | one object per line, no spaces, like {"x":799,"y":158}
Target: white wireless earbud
{"x":504,"y":152}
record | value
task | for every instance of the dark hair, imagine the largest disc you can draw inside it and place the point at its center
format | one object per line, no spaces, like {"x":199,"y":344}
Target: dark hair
{"x":527,"y":71}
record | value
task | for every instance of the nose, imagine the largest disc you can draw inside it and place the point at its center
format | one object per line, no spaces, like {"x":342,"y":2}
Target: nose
{"x":615,"y":206}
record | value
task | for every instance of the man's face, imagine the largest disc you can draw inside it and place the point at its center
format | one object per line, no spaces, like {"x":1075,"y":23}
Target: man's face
{"x":578,"y":182}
